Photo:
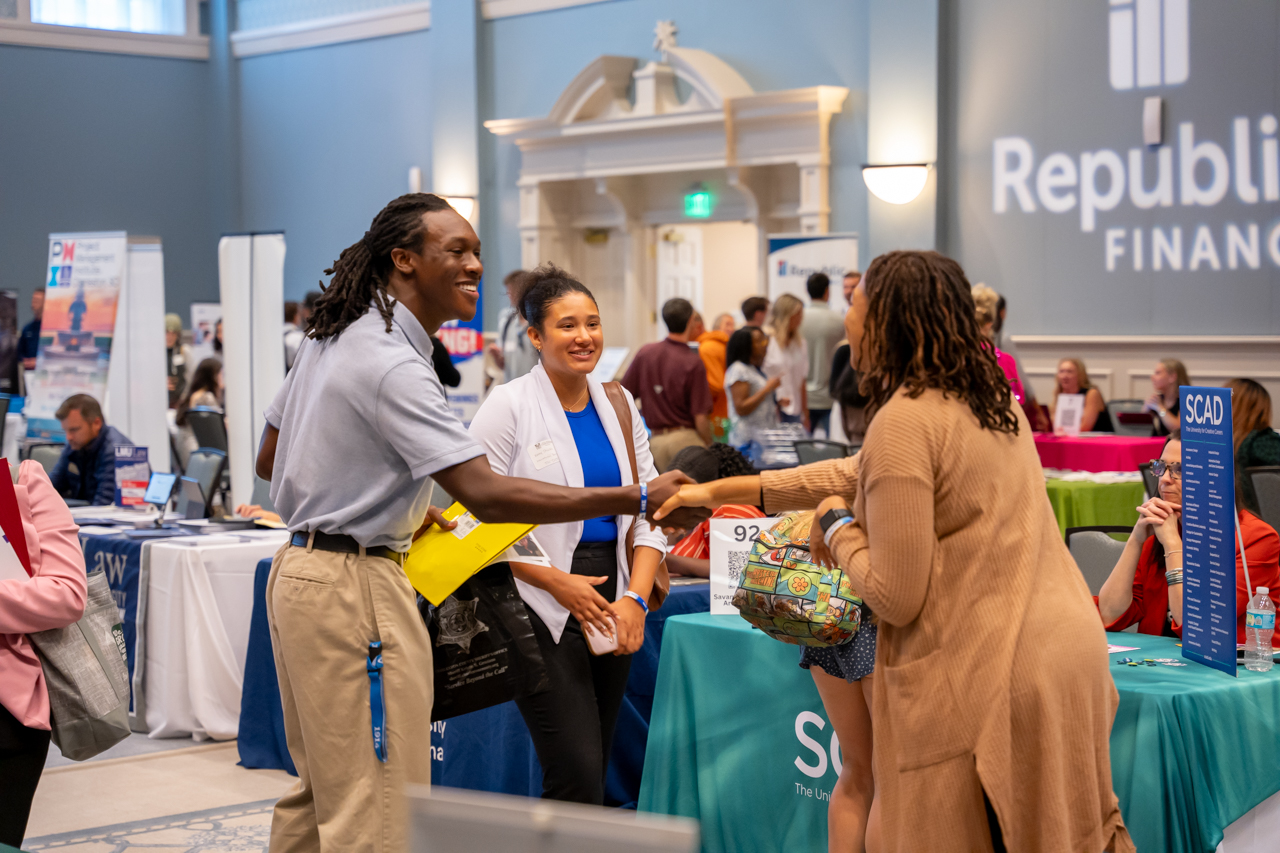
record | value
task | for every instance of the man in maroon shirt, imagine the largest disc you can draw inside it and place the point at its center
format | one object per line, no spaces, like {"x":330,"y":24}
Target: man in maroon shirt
{"x":669,"y":382}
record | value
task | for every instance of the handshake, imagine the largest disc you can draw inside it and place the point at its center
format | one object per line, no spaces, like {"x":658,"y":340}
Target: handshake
{"x":662,"y":490}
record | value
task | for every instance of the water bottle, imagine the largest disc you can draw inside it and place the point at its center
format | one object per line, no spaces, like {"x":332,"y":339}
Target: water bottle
{"x":1259,"y":625}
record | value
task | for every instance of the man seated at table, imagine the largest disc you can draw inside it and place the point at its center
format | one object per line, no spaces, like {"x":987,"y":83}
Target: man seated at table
{"x":87,"y":469}
{"x":1145,"y":587}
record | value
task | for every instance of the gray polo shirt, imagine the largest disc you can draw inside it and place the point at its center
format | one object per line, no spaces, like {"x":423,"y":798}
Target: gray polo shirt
{"x":363,"y":423}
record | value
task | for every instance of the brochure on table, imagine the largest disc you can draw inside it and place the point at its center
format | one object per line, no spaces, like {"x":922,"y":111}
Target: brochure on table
{"x":1208,"y":528}
{"x":1067,"y":414}
{"x":731,"y":541}
{"x":133,"y":472}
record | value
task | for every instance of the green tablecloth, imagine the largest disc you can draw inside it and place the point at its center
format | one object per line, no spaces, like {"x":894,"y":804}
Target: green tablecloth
{"x":739,"y":740}
{"x":1085,"y":504}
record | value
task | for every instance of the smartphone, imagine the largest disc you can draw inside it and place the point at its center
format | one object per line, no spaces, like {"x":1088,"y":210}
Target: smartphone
{"x":599,"y":644}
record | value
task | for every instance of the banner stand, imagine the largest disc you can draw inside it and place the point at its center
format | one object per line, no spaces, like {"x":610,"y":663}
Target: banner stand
{"x":251,"y":280}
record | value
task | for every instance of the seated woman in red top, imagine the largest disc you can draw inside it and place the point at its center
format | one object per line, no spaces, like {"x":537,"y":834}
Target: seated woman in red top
{"x":1145,"y":587}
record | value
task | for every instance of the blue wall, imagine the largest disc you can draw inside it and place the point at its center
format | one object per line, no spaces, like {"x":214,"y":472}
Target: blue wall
{"x":98,"y":142}
{"x":526,"y":61}
{"x":327,"y":138}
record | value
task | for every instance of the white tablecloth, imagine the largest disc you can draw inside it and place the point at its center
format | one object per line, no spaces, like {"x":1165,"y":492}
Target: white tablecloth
{"x":1256,"y":832}
{"x":198,"y":605}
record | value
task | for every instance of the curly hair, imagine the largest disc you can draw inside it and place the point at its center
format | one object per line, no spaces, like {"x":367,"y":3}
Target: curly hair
{"x":536,"y":291}
{"x":731,"y":462}
{"x":360,"y":273}
{"x":921,"y":333}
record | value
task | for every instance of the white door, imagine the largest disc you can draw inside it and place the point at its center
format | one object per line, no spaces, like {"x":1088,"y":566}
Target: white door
{"x":679,"y":265}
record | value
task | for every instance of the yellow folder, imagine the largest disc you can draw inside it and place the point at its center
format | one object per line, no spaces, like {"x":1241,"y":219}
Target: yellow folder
{"x":441,"y":560}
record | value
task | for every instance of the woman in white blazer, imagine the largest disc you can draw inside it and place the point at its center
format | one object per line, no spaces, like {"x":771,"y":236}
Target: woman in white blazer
{"x":556,"y":424}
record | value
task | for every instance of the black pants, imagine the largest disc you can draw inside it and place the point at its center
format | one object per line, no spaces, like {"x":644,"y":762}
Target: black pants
{"x":572,"y":723}
{"x":22,"y":754}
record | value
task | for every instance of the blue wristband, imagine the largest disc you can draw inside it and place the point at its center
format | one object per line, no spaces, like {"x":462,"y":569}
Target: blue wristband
{"x":635,"y":596}
{"x":840,"y":522}
{"x":644,"y":498}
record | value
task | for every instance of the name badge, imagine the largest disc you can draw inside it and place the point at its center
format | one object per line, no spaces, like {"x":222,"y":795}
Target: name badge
{"x":543,"y":454}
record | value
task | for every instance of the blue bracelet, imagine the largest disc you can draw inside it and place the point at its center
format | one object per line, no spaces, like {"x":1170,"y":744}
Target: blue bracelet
{"x":644,"y":497}
{"x":840,"y":522}
{"x":635,"y":596}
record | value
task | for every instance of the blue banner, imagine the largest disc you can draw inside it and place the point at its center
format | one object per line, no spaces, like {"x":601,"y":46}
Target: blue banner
{"x":1208,"y":528}
{"x":121,"y":559}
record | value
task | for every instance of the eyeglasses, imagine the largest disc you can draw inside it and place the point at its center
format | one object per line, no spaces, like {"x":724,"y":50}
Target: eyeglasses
{"x":1159,"y":466}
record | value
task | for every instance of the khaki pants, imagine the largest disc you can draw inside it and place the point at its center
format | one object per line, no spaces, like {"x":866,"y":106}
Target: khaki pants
{"x":325,"y":609}
{"x":665,"y":446}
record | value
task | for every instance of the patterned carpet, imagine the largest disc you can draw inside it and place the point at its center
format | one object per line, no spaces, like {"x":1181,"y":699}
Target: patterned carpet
{"x":234,"y":829}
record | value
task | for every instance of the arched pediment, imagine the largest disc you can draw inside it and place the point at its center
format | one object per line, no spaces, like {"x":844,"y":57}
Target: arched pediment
{"x":601,"y":91}
{"x":598,"y":92}
{"x":711,"y":78}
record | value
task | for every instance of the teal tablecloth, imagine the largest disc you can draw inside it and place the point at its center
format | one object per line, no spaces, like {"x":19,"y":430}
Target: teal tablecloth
{"x":739,"y":740}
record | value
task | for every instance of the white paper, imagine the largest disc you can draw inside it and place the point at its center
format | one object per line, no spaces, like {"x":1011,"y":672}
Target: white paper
{"x":11,"y":567}
{"x":543,"y":454}
{"x":1068,"y":413}
{"x":731,"y":541}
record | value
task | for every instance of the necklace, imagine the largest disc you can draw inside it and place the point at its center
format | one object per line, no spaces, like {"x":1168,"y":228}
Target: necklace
{"x":573,"y":407}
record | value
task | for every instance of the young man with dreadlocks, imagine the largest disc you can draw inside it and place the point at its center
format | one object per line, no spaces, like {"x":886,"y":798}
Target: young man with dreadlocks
{"x":352,"y":439}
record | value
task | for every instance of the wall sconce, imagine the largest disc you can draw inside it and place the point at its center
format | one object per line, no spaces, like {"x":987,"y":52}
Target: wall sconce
{"x":896,"y":184}
{"x":465,"y":205}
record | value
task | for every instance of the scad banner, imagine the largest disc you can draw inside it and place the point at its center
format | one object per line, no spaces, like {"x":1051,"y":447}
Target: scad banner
{"x":1208,"y":528}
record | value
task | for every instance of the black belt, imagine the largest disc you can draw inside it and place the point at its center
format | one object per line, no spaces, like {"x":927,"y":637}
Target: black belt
{"x":341,"y":543}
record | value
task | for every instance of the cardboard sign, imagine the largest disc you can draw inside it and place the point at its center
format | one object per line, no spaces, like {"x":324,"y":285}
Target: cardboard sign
{"x":731,"y":541}
{"x":1068,"y":413}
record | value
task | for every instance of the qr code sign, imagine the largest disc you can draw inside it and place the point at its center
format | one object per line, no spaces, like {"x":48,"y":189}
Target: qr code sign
{"x":737,"y":562}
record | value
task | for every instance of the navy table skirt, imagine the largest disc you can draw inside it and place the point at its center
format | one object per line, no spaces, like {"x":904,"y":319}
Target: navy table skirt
{"x":488,"y":750}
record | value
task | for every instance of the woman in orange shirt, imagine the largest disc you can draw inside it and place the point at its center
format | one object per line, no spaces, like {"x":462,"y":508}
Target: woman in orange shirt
{"x":1145,"y":587}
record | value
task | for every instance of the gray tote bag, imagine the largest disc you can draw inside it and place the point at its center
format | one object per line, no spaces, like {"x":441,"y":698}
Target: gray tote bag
{"x":88,"y":680}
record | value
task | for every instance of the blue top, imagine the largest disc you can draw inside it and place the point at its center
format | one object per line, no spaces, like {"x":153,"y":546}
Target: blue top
{"x":599,"y":467}
{"x":89,"y":474}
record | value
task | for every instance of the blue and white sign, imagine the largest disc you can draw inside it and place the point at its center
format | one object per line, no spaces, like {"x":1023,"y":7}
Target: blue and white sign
{"x":1208,"y":528}
{"x":795,"y":257}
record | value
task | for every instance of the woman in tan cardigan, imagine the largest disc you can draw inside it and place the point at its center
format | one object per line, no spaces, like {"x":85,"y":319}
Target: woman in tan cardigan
{"x":994,"y":705}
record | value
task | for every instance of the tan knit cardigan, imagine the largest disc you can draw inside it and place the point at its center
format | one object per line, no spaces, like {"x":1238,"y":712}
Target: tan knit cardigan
{"x":991,"y":662}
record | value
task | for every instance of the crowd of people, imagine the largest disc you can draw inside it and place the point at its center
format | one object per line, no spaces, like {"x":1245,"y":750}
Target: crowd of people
{"x":943,"y":511}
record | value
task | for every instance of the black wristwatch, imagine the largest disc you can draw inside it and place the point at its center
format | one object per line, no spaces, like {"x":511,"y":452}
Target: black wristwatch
{"x":833,"y":515}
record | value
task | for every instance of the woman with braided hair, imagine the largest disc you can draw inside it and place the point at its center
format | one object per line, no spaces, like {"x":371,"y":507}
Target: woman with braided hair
{"x":353,"y":440}
{"x":994,"y":703}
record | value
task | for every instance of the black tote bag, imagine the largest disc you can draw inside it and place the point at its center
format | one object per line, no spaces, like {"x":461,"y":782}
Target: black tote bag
{"x":483,"y":646}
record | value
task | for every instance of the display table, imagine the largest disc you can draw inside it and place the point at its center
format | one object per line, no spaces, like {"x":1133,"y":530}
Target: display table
{"x":186,"y":603}
{"x":488,"y":750}
{"x":740,"y":741}
{"x":1103,"y":452}
{"x":1084,"y":504}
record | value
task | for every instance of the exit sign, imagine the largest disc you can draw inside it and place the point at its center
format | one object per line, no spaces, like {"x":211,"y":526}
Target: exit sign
{"x":697,"y":205}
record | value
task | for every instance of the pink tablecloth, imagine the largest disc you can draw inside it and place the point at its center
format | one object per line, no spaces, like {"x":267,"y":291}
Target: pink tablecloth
{"x":1097,"y":453}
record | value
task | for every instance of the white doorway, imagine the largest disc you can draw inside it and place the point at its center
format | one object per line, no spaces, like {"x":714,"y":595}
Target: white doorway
{"x":715,"y":265}
{"x":679,"y":264}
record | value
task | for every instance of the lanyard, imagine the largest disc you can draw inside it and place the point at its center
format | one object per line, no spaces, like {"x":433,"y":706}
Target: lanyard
{"x":377,"y":709}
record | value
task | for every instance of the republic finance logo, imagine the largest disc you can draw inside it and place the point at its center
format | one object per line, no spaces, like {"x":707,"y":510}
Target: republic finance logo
{"x":1201,"y":165}
{"x":1149,"y":43}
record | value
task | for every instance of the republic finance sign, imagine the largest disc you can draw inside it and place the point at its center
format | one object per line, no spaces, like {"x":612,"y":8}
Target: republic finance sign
{"x":1149,"y":48}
